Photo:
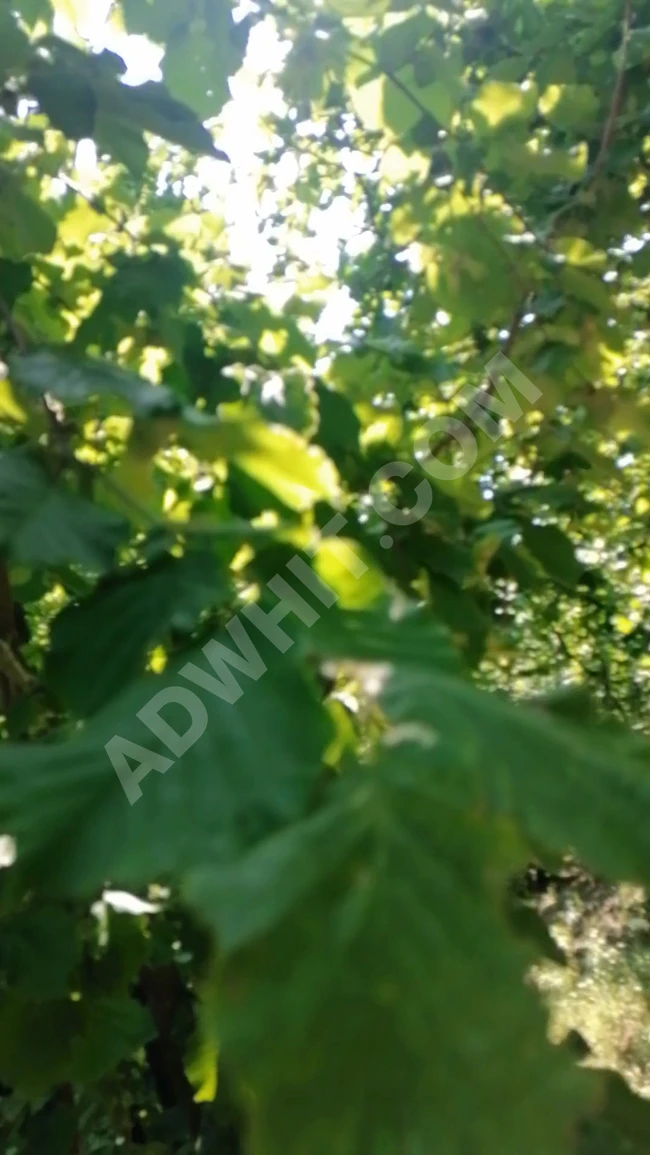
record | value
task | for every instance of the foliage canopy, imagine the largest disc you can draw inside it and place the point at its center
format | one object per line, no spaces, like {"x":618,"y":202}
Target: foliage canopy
{"x":298,"y":932}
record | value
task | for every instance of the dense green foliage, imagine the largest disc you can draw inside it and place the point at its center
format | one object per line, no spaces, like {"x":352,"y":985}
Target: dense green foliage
{"x":258,"y":889}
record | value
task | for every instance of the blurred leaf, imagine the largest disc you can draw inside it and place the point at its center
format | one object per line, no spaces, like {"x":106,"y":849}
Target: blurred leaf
{"x":43,"y":524}
{"x":511,"y":762}
{"x":251,"y":767}
{"x":499,"y":102}
{"x":38,"y":949}
{"x":149,"y":106}
{"x":77,"y":1041}
{"x":386,"y":883}
{"x":76,"y":381}
{"x":275,"y":457}
{"x":67,"y":99}
{"x":24,"y":226}
{"x":202,"y":54}
{"x":554,"y":551}
{"x":573,"y":107}
{"x":140,"y":606}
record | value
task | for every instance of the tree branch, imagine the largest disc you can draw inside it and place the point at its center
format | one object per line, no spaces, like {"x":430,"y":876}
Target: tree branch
{"x":404,"y":89}
{"x":617,"y":96}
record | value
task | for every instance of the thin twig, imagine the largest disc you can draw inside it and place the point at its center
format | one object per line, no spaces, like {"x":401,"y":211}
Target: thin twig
{"x":610,"y":125}
{"x":404,"y":89}
{"x":617,"y":96}
{"x":97,"y":203}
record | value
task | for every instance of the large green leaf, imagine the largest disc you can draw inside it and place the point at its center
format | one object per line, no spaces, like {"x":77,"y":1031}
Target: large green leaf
{"x":202,"y":54}
{"x":137,"y":605}
{"x":555,"y":552}
{"x":77,"y":380}
{"x":66,"y":97}
{"x":46,"y":1044}
{"x":14,"y":45}
{"x":42,"y":523}
{"x":276,"y":457}
{"x":123,"y":142}
{"x":252,"y":766}
{"x":372,"y":995}
{"x":151,"y":107}
{"x":496,"y":757}
{"x":499,"y":103}
{"x":25,"y":227}
{"x":38,"y":948}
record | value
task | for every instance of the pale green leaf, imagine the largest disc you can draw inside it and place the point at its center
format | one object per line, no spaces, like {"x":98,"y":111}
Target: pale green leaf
{"x":499,"y":102}
{"x":277,"y":458}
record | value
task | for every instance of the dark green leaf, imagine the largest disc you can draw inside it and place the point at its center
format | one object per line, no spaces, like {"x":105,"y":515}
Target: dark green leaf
{"x":140,"y":606}
{"x":254,"y":765}
{"x":25,"y":227}
{"x":43,"y":524}
{"x":76,"y":381}
{"x":68,"y":99}
{"x":45,"y":1044}
{"x":370,"y":959}
{"x":554,"y":551}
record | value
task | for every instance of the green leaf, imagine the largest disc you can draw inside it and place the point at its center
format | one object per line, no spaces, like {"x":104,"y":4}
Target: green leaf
{"x":522,"y":162}
{"x":151,"y":283}
{"x":638,"y":49}
{"x":140,"y":606}
{"x":43,"y":524}
{"x":153,"y":18}
{"x":359,"y":7}
{"x":440,"y":101}
{"x":508,"y":760}
{"x":202,"y":54}
{"x":578,"y":251}
{"x":45,"y":1044}
{"x":358,"y":942}
{"x":67,"y":99}
{"x":15,"y":279}
{"x":339,"y":427}
{"x":38,"y":949}
{"x":77,"y":381}
{"x":14,"y":45}
{"x":571,"y":107}
{"x":294,"y":405}
{"x":277,"y":458}
{"x":588,"y":288}
{"x":398,"y":42}
{"x":458,"y":610}
{"x":34,"y":10}
{"x":150,"y":107}
{"x":252,"y":766}
{"x":380,"y":104}
{"x":247,"y":898}
{"x":24,"y":226}
{"x":554,"y":551}
{"x":499,"y":103}
{"x":471,"y":253}
{"x":125,"y":144}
